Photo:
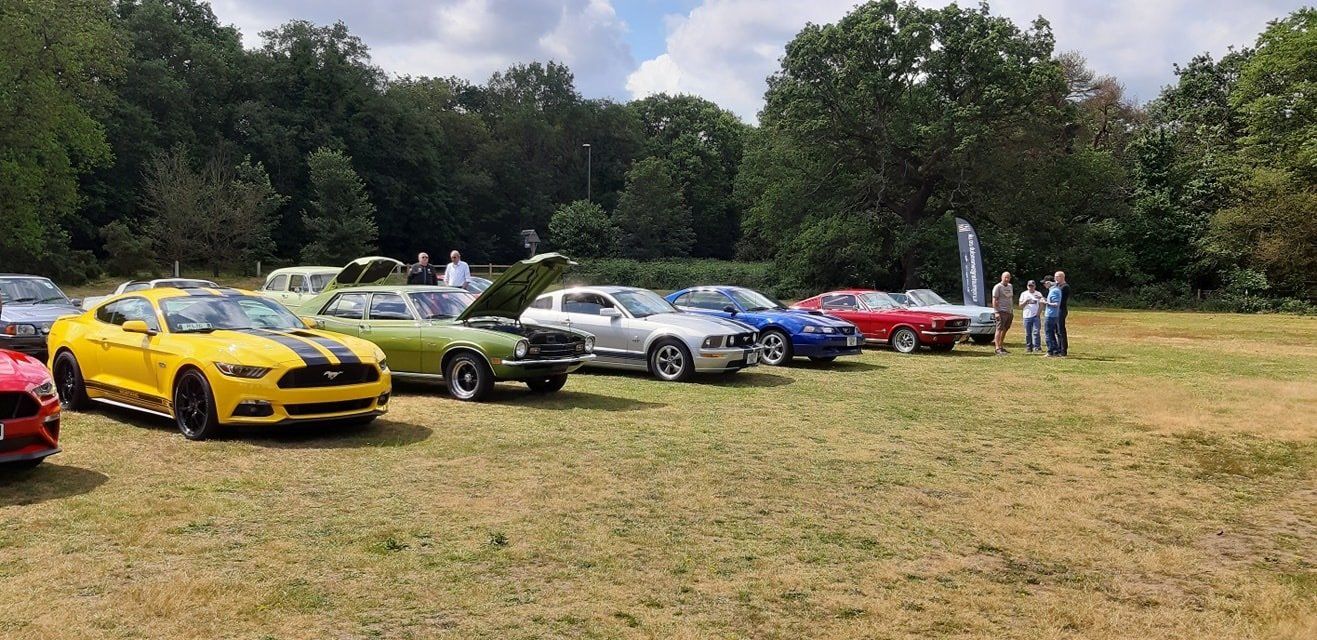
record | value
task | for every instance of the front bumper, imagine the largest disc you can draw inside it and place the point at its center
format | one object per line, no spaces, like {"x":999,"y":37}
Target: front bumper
{"x":714,"y":360}
{"x":941,"y":337}
{"x":519,"y":369}
{"x":982,"y":329}
{"x":34,"y":345}
{"x":826,"y":345}
{"x":31,"y":438}
{"x":262,"y":402}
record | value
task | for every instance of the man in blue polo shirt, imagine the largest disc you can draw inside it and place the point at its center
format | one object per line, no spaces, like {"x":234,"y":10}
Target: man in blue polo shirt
{"x":1052,"y":319}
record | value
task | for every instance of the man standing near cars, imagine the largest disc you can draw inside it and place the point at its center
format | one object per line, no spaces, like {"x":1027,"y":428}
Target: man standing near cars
{"x":1051,"y":316}
{"x":1003,"y":307}
{"x":422,"y":272}
{"x":1030,"y":301}
{"x":457,"y":273}
{"x":1065,"y":310}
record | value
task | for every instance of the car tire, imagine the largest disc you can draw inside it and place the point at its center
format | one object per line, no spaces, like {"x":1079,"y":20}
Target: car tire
{"x":70,"y":386}
{"x":904,"y":340}
{"x":547,"y":385}
{"x":981,"y":339}
{"x":776,"y":348}
{"x":469,"y":377}
{"x":823,"y":358}
{"x":942,"y":348}
{"x":670,"y":360}
{"x":194,"y":406}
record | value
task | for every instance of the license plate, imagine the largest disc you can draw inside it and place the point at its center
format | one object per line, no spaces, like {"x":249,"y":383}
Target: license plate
{"x":852,"y":340}
{"x":752,"y":357}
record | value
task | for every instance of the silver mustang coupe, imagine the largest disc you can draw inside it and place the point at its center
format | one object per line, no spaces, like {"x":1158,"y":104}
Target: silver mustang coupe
{"x":637,"y":329}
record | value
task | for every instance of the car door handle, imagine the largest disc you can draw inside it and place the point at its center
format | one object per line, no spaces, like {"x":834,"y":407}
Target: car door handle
{"x":365,"y":328}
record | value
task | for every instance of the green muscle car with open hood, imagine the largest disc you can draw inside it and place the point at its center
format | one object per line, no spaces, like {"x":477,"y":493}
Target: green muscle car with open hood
{"x":449,"y":334}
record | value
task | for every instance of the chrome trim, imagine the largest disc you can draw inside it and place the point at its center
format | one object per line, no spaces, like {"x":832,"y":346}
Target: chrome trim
{"x":417,"y":376}
{"x":944,"y":333}
{"x":572,"y":360}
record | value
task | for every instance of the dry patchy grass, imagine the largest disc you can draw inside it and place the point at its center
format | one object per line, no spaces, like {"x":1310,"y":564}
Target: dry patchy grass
{"x":1159,"y":483}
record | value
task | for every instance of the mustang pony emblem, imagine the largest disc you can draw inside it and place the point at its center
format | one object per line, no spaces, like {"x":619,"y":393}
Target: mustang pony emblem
{"x":333,"y":374}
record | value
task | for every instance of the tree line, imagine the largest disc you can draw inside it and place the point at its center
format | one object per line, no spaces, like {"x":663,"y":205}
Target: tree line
{"x":138,"y":132}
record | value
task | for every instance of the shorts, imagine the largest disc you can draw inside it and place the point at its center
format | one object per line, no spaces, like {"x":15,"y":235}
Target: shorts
{"x":1004,"y":321}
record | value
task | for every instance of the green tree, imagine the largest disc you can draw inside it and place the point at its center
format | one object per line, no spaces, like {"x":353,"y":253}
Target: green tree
{"x":704,"y":144}
{"x":891,"y":112}
{"x":54,"y":57}
{"x":128,"y":252}
{"x":651,"y":218}
{"x":582,"y":229}
{"x":340,"y":219}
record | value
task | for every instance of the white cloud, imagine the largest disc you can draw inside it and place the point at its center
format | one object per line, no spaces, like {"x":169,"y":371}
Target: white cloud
{"x":724,"y":50}
{"x":466,"y":38}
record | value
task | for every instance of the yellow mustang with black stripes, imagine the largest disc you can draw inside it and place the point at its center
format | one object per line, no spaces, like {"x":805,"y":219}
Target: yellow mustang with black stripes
{"x":211,"y":357}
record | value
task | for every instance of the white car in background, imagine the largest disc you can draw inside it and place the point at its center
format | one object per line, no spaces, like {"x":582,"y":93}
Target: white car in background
{"x":981,"y":325}
{"x":139,"y":285}
{"x":293,"y":286}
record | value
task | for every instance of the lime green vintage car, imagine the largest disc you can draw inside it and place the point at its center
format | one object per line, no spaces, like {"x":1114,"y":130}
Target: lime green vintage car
{"x":449,"y":334}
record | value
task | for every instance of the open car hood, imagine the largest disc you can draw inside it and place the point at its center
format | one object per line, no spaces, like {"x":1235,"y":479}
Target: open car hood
{"x":364,"y":271}
{"x":515,"y":290}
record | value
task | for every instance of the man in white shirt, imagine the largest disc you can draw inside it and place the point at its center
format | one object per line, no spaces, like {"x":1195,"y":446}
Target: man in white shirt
{"x":457,"y":273}
{"x":1030,"y":300}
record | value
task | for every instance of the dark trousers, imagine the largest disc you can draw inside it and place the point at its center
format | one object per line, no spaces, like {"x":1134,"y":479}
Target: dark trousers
{"x":1051,"y":328}
{"x":1060,"y":330}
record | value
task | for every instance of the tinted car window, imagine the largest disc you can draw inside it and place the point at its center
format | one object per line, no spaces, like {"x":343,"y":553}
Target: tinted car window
{"x":585,"y":303}
{"x":347,"y":305}
{"x":121,"y":311}
{"x":542,"y":303}
{"x":711,"y":300}
{"x":388,"y":306}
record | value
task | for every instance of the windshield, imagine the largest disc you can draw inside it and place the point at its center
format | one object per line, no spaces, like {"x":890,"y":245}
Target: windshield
{"x":435,"y":305}
{"x":926,"y":297}
{"x":319,"y":280}
{"x":185,"y":284}
{"x":30,"y":291}
{"x":640,"y":303}
{"x":877,"y":300}
{"x":477,"y":285}
{"x":752,"y":300}
{"x":203,"y":314}
{"x":901,"y":298}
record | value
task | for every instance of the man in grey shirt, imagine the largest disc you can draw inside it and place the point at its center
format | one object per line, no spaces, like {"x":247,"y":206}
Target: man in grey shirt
{"x":1003,"y":306}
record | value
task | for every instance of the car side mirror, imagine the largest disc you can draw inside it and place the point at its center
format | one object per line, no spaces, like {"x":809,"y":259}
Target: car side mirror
{"x":138,"y":326}
{"x":610,"y":312}
{"x":729,"y":309}
{"x":77,"y":302}
{"x":311,"y":323}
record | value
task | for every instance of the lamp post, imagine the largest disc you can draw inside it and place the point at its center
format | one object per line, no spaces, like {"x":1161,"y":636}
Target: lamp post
{"x":588,"y":158}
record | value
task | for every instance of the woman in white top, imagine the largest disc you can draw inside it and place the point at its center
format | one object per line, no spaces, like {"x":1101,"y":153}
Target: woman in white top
{"x":1030,"y":303}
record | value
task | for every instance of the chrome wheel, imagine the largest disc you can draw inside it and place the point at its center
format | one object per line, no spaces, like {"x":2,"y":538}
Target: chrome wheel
{"x":905,"y":341}
{"x":775,"y":348}
{"x":669,"y":362}
{"x":465,"y":379}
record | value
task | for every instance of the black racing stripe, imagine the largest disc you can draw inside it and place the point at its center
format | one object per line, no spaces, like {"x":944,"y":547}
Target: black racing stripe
{"x":309,"y":354}
{"x":199,"y":292}
{"x":231,"y":293}
{"x":340,"y":350}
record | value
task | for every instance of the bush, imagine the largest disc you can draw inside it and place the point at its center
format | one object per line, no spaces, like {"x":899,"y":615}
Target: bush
{"x":670,"y":275}
{"x":128,"y":253}
{"x":582,"y":229}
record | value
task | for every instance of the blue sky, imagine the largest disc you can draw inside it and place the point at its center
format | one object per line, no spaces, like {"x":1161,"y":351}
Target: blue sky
{"x":724,"y":49}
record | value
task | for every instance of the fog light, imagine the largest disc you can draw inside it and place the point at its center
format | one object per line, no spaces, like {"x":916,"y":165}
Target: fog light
{"x":253,"y":409}
{"x":383,"y":399}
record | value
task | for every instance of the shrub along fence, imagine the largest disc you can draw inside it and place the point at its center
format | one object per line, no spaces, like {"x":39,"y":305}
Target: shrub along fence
{"x":670,"y":275}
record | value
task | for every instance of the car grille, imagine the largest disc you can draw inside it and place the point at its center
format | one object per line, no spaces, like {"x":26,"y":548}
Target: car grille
{"x":958,"y":324}
{"x":742,"y":340}
{"x":321,"y":375}
{"x":14,"y":404}
{"x":555,"y":350}
{"x":316,"y":408}
{"x":846,"y":331}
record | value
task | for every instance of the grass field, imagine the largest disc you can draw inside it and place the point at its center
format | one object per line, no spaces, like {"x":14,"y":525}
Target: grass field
{"x":1161,"y":483}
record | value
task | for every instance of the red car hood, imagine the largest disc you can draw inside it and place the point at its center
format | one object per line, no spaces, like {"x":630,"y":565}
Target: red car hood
{"x":19,"y":371}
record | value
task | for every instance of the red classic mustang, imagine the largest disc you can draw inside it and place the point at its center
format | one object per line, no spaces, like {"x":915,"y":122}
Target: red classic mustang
{"x":29,"y":411}
{"x":883,"y":320}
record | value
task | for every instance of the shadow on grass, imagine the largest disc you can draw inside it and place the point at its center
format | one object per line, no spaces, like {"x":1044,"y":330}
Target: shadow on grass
{"x":843,"y":366}
{"x":959,"y":352}
{"x":1097,"y":358}
{"x":754,"y":377}
{"x":46,"y":482}
{"x":517,"y":394}
{"x":331,"y":435}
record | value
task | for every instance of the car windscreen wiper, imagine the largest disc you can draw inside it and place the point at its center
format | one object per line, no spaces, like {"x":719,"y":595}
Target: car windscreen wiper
{"x":53,"y":299}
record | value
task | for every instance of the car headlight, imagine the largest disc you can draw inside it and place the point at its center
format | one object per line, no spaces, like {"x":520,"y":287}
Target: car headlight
{"x":241,"y":370}
{"x":829,"y":330}
{"x":20,"y":329}
{"x":44,"y":390}
{"x":384,"y":364}
{"x":589,"y":344}
{"x":809,"y":328}
{"x":521,"y":349}
{"x":713,"y":342}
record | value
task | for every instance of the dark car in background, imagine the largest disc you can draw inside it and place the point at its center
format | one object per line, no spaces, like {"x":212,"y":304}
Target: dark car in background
{"x":28,"y":306}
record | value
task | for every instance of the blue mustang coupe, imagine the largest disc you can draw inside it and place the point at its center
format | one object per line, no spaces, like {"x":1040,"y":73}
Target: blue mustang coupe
{"x":783,"y":333}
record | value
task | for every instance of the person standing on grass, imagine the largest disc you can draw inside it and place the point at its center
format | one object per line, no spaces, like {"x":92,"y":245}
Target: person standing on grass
{"x":1003,"y":306}
{"x":422,"y":272}
{"x":457,"y":273}
{"x":1030,"y":301}
{"x":1065,"y":310}
{"x":1052,"y":313}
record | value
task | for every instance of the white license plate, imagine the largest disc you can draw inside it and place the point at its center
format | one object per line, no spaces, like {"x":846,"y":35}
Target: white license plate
{"x":752,"y":357}
{"x":852,"y":340}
